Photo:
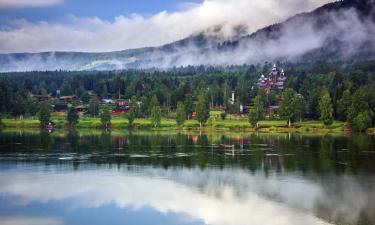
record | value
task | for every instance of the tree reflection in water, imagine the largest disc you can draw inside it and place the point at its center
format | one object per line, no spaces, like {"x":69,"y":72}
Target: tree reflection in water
{"x":218,"y":178}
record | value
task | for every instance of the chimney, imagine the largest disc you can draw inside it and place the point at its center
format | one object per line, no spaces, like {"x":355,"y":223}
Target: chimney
{"x":233,"y":97}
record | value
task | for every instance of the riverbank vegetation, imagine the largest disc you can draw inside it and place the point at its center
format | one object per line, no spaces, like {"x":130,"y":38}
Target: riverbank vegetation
{"x":316,"y":96}
{"x":171,"y":124}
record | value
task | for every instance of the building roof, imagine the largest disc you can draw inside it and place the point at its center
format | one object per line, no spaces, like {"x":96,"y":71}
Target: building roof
{"x":68,"y":97}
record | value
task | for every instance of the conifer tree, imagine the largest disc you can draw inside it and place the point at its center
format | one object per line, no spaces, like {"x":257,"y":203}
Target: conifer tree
{"x":94,"y":106}
{"x":72,"y":117}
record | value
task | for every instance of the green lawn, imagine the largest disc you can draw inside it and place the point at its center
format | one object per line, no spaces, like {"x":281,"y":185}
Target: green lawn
{"x":273,"y":123}
{"x":231,"y":123}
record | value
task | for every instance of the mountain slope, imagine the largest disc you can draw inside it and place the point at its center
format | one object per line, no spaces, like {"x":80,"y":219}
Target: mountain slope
{"x":339,"y":30}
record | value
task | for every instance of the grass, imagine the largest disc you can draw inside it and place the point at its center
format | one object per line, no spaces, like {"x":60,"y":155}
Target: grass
{"x":231,"y":123}
{"x":273,"y":123}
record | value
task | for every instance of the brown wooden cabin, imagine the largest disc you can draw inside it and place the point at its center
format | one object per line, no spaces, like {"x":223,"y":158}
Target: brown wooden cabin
{"x":68,"y":99}
{"x":41,"y":98}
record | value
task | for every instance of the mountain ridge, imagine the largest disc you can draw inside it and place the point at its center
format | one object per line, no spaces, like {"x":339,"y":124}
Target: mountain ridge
{"x":338,"y":30}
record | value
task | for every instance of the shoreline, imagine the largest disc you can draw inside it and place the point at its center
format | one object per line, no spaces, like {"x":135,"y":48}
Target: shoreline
{"x":190,"y":125}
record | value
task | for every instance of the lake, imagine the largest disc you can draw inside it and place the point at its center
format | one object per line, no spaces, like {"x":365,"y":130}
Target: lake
{"x":89,"y":177}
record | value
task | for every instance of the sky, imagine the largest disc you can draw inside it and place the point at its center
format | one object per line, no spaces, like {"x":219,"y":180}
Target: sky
{"x":110,"y":25}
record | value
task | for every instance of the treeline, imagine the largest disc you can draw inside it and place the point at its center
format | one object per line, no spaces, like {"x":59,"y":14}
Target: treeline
{"x":348,"y":86}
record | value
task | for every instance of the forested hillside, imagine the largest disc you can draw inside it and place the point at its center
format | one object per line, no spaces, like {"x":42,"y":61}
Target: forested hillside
{"x":350,"y":86}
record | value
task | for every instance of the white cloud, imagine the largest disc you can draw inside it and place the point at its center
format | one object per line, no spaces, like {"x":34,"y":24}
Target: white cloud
{"x":28,"y":3}
{"x":29,"y":221}
{"x":134,"y":31}
{"x":214,"y":197}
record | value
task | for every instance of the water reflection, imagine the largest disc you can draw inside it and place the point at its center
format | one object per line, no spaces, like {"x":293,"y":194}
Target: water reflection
{"x":186,"y":179}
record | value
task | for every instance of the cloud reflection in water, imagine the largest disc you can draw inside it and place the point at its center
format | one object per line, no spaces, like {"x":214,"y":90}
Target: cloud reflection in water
{"x":213,"y":196}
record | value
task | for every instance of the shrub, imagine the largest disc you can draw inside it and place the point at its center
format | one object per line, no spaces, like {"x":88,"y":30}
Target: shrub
{"x":223,"y":116}
{"x":362,"y":122}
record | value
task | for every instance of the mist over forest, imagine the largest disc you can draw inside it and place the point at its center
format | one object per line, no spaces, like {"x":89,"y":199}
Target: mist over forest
{"x":342,"y":30}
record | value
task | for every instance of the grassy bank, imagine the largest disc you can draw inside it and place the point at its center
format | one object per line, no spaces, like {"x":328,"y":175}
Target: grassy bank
{"x":237,"y":124}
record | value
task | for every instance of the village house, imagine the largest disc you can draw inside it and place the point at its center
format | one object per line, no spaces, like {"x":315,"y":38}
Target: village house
{"x":68,"y":99}
{"x":60,"y":107}
{"x":41,"y":98}
{"x":274,"y":81}
{"x":82,"y":110}
{"x":121,"y":107}
{"x":108,"y":101}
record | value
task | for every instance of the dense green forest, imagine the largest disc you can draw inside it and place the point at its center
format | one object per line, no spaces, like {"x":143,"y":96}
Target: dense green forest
{"x":348,"y":88}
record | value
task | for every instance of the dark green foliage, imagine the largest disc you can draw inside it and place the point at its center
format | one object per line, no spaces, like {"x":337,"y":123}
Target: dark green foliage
{"x":66,"y":88}
{"x":343,"y":105}
{"x":143,"y":108}
{"x":226,"y":94}
{"x":85,"y":97}
{"x":169,"y":87}
{"x":361,"y":112}
{"x":291,"y":107}
{"x":75,"y":83}
{"x":188,"y":105}
{"x":24,"y":105}
{"x":133,"y":111}
{"x":94,"y":106}
{"x":202,"y":110}
{"x":326,"y":110}
{"x":313,"y":98}
{"x":242,"y":91}
{"x":42,"y":88}
{"x":104,"y":93}
{"x":223,"y":116}
{"x":362,"y":121}
{"x":105,"y":117}
{"x":44,"y":114}
{"x":72,"y":117}
{"x":156,"y":116}
{"x":180,"y":114}
{"x":234,"y":108}
{"x":154,"y":102}
{"x":257,"y":111}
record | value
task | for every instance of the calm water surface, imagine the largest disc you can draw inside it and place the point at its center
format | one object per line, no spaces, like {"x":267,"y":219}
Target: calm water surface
{"x":185,"y":178}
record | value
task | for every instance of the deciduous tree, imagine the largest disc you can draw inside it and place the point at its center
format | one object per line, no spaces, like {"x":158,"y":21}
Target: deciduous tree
{"x":133,"y":108}
{"x":290,"y":106}
{"x":257,"y":111}
{"x":202,"y":110}
{"x":180,"y":114}
{"x":326,"y":109}
{"x":105,"y":117}
{"x":44,"y":113}
{"x":362,"y":121}
{"x":156,"y":116}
